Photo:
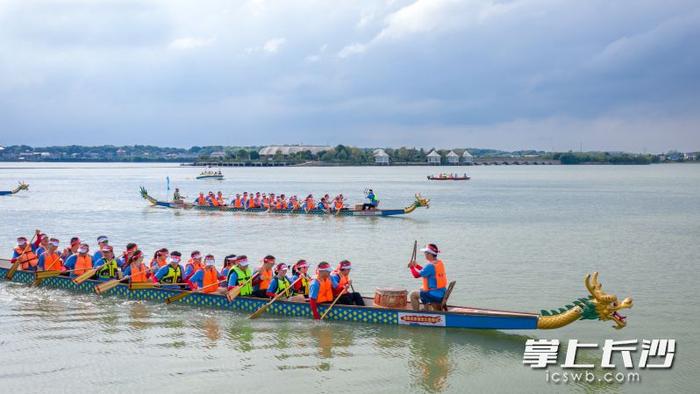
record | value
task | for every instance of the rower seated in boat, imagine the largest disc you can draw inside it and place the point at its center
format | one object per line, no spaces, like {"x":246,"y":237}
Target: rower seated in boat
{"x":107,"y":267}
{"x":160,"y":259}
{"x":25,"y":253}
{"x":281,"y":283}
{"x":434,"y":279}
{"x":50,"y":260}
{"x":126,"y":255}
{"x":136,"y":270}
{"x":229,"y":261}
{"x":177,"y":197}
{"x":206,"y":279}
{"x":342,"y":277}
{"x":102,"y":241}
{"x":300,"y":270}
{"x":193,"y":265}
{"x":201,"y":200}
{"x":81,"y":262}
{"x":322,"y":288}
{"x":265,"y":274}
{"x":372,"y":203}
{"x":170,"y":276}
{"x":42,"y":245}
{"x":239,"y":276}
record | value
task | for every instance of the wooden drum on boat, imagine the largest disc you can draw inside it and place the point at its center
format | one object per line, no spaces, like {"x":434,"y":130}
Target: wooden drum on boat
{"x":390,"y":298}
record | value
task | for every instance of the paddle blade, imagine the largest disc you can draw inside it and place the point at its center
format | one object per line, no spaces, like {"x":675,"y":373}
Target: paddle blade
{"x":177,"y":297}
{"x":85,"y":276}
{"x":260,"y":311}
{"x":141,"y":285}
{"x":106,"y":286}
{"x":11,"y":273}
{"x":233,"y":293}
{"x":47,"y":274}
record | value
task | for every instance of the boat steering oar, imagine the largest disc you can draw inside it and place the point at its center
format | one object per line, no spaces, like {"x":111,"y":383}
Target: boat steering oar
{"x":186,"y":293}
{"x":345,"y":289}
{"x":15,"y":266}
{"x":233,"y":293}
{"x":263,"y":308}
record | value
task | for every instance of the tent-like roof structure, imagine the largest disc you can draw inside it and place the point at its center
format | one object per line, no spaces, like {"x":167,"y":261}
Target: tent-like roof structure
{"x":380,"y":153}
{"x":466,"y":154}
{"x":452,"y":154}
{"x":433,"y":154}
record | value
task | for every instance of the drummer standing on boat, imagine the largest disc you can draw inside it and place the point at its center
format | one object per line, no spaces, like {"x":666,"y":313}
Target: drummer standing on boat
{"x":434,"y":278}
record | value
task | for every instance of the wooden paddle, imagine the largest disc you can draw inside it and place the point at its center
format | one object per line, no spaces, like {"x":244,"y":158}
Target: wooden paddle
{"x":233,"y":293}
{"x":11,"y":273}
{"x":87,"y":274}
{"x":185,"y":293}
{"x":413,"y":255}
{"x":150,"y":285}
{"x":333,"y":304}
{"x":263,"y":308}
{"x":39,"y":276}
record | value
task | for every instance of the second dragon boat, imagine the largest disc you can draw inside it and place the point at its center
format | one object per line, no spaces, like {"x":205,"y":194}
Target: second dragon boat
{"x":417,"y":203}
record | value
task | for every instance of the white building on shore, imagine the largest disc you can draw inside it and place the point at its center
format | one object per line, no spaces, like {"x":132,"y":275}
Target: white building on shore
{"x":452,"y":158}
{"x":434,"y":157}
{"x":467,"y":157}
{"x":381,"y":157}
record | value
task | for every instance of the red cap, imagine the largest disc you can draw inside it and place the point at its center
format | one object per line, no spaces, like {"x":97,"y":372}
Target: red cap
{"x":323,"y":266}
{"x":344,"y":265}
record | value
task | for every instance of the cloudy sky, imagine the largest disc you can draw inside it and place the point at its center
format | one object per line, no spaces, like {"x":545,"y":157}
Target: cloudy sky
{"x":508,"y":74}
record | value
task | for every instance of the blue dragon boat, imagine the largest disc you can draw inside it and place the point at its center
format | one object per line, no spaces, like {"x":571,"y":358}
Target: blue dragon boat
{"x":419,"y":202}
{"x":20,"y":187}
{"x":597,"y":306}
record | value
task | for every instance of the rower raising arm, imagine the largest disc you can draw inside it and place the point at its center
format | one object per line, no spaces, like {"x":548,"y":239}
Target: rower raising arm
{"x":434,"y":279}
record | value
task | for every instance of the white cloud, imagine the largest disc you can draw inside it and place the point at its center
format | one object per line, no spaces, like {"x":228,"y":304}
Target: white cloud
{"x":273,"y":45}
{"x":352,"y":49}
{"x":185,"y":43}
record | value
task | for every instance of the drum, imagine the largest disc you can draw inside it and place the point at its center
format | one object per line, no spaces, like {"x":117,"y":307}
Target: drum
{"x":390,"y":298}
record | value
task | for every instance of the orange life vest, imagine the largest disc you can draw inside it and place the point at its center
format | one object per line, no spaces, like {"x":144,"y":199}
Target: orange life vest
{"x":310,"y":204}
{"x":82,"y":264}
{"x":214,"y":202}
{"x":325,"y":290}
{"x":440,"y":277}
{"x":251,"y":202}
{"x":295,"y":204}
{"x":26,"y":258}
{"x":338,"y":204}
{"x":52,"y":262}
{"x":138,"y":273}
{"x":342,"y":280}
{"x":211,"y":278}
{"x":237,"y":203}
{"x":265,"y":278}
{"x":196,"y":266}
{"x":201,"y":201}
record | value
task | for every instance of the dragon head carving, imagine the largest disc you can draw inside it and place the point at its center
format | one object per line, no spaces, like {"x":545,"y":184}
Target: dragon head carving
{"x":606,"y":306}
{"x":422,"y":201}
{"x":20,"y":187}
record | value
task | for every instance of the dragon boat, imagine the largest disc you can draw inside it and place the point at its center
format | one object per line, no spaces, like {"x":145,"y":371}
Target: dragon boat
{"x":448,"y":178}
{"x":419,"y":202}
{"x":597,"y":306}
{"x":20,"y":187}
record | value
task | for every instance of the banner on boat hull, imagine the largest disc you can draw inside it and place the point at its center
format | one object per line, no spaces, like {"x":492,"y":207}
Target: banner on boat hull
{"x":421,"y":319}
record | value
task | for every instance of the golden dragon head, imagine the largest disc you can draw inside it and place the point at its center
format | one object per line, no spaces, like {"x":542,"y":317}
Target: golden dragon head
{"x":606,"y":305}
{"x":422,"y":201}
{"x":21,"y":186}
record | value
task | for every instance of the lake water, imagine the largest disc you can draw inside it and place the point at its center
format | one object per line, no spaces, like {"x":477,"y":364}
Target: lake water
{"x":513,"y":237}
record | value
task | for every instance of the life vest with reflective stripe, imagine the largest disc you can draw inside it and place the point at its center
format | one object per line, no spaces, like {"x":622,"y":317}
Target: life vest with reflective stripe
{"x":265,"y":278}
{"x":173,"y":275}
{"x":108,"y":270}
{"x":303,"y":286}
{"x":325,"y":290}
{"x":138,"y":273}
{"x":27,"y":258}
{"x":52,"y":262}
{"x":283,"y":286}
{"x":82,"y":264}
{"x":210,"y":280}
{"x":242,"y":277}
{"x":440,"y":277}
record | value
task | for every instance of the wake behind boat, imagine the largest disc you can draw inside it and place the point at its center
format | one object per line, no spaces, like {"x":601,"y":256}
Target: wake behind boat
{"x":356,"y":211}
{"x":20,"y":187}
{"x":597,"y":306}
